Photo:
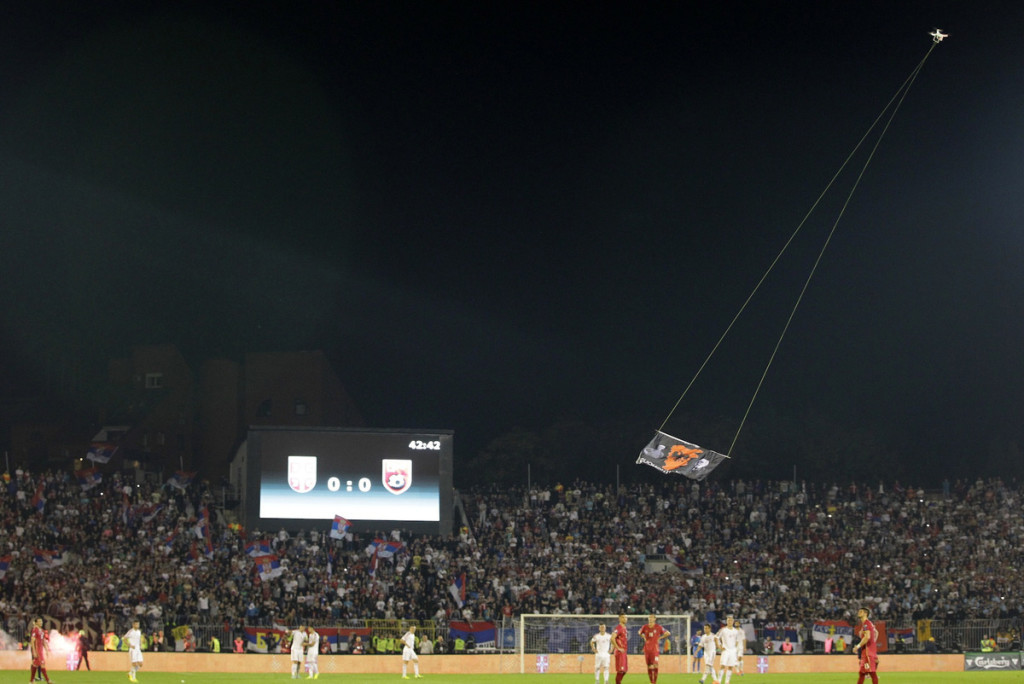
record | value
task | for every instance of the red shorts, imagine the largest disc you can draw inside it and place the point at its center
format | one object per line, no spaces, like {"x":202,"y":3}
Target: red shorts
{"x":651,"y":657}
{"x":868,"y":663}
{"x":39,"y":662}
{"x":621,"y":661}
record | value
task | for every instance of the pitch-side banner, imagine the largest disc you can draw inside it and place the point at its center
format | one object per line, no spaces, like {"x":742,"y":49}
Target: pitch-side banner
{"x":992,"y":661}
{"x":674,"y":456}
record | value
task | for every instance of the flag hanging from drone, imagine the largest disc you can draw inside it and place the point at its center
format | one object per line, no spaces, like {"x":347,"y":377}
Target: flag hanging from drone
{"x":672,"y":455}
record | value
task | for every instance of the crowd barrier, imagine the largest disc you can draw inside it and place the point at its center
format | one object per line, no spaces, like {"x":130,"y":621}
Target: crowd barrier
{"x":470,"y":664}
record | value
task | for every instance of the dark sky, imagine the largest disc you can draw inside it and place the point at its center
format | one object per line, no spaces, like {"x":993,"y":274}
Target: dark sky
{"x":491,"y":216}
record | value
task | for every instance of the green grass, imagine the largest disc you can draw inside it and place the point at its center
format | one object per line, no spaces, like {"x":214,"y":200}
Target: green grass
{"x":65,"y":677}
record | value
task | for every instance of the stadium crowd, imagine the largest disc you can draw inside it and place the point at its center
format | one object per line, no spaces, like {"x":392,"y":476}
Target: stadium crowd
{"x":106,"y":553}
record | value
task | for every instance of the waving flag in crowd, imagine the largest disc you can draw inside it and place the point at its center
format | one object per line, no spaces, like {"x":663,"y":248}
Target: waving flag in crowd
{"x":389,"y":548}
{"x":458,"y":589}
{"x":339,"y":527}
{"x":672,"y":455}
{"x":150,"y":512}
{"x":5,"y":564}
{"x":38,"y":500}
{"x":202,"y":530}
{"x":372,"y":567}
{"x":89,"y":478}
{"x":47,"y":558}
{"x":180,"y":480}
{"x":268,"y":567}
{"x":101,"y":452}
{"x":260,"y":547}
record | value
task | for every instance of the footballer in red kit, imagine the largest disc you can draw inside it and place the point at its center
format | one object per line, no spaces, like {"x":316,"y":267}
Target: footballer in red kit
{"x":39,"y":647}
{"x":868,"y":647}
{"x":620,"y":647}
{"x":652,"y":634}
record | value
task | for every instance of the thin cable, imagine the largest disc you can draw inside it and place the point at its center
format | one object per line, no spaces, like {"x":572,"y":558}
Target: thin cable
{"x":824,"y":247}
{"x":897,"y":95}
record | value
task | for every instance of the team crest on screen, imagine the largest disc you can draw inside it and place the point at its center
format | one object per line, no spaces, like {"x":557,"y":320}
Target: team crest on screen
{"x":302,"y":473}
{"x":397,"y":474}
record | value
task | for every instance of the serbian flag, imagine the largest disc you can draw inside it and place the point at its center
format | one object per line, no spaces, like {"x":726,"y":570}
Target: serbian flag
{"x":202,"y":528}
{"x":47,"y":558}
{"x":339,"y":527}
{"x":389,"y":549}
{"x":203,"y":532}
{"x":905,"y":635}
{"x":258,"y":548}
{"x":101,"y":452}
{"x":686,"y":568}
{"x":672,"y":455}
{"x":88,"y":478}
{"x":180,"y":480}
{"x":372,"y":568}
{"x":483,"y":632}
{"x":38,"y":500}
{"x":458,"y":589}
{"x":150,"y":512}
{"x":268,"y":567}
{"x":5,"y":564}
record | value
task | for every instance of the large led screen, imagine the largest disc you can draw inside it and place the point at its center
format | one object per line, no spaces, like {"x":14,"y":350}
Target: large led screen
{"x":376,"y":479}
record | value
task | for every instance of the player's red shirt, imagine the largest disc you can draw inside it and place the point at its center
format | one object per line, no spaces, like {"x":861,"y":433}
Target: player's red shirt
{"x":870,"y":649}
{"x":621,"y":638}
{"x":652,"y":635}
{"x":38,"y":645}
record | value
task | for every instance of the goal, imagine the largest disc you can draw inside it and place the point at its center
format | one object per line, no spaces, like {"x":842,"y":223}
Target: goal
{"x":554,"y":643}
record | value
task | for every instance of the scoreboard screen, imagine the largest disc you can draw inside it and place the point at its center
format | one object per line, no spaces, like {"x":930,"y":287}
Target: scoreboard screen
{"x":376,"y":479}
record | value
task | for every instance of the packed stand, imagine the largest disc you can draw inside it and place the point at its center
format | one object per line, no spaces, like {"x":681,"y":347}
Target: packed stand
{"x":115,"y":551}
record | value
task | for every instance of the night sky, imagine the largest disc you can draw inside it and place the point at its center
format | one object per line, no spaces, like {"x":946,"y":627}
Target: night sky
{"x":494,"y":217}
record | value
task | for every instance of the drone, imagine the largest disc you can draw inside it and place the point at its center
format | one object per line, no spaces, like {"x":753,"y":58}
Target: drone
{"x":938,"y":35}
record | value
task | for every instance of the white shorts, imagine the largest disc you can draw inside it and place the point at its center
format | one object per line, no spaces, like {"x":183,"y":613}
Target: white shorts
{"x":296,"y":655}
{"x":311,"y":656}
{"x":135,"y":655}
{"x":602,"y":661}
{"x":409,"y":654}
{"x":729,"y":658}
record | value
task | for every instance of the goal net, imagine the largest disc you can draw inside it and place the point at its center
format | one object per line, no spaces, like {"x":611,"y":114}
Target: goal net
{"x":547,"y":642}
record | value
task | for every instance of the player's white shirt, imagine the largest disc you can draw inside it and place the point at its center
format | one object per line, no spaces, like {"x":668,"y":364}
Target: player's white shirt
{"x":134,"y":638}
{"x":312,"y":645}
{"x":603,"y":642}
{"x":298,"y":639}
{"x":710,"y":646}
{"x":603,"y":650}
{"x":730,"y":638}
{"x":409,"y":647}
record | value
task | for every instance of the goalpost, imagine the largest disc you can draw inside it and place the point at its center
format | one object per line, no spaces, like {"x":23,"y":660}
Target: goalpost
{"x":567,"y":638}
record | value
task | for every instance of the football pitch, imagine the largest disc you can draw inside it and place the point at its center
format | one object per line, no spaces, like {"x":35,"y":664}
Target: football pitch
{"x":65,"y":677}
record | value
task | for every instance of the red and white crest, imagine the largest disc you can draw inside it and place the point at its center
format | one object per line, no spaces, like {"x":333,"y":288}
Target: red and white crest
{"x":302,"y":473}
{"x":397,"y":475}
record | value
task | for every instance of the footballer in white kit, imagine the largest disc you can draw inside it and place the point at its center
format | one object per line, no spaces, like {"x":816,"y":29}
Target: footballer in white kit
{"x":312,"y":652}
{"x":409,"y":653}
{"x":709,"y":642}
{"x":601,"y":645}
{"x":298,"y":637}
{"x":730,"y":637}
